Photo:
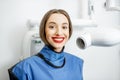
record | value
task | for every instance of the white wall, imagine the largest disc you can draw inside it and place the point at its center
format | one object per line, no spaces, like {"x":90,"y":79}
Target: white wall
{"x":100,"y":63}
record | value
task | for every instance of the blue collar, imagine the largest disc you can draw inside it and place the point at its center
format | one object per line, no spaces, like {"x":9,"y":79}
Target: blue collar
{"x":51,"y":55}
{"x":56,"y":58}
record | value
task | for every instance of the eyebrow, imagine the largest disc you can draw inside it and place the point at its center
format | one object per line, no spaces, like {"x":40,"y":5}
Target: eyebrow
{"x":52,"y":22}
{"x":65,"y":23}
{"x":55,"y":23}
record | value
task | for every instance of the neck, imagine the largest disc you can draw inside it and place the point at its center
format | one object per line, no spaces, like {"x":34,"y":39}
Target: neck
{"x":58,"y":50}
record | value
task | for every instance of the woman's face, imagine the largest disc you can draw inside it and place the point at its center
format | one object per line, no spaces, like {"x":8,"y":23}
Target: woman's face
{"x":57,"y":31}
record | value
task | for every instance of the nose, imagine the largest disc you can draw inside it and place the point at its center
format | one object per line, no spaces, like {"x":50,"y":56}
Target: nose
{"x":58,"y":31}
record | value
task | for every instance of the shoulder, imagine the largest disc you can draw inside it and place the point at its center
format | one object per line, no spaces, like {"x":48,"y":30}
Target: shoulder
{"x":27,"y":60}
{"x":74,"y":58}
{"x":22,"y":68}
{"x":25,"y":63}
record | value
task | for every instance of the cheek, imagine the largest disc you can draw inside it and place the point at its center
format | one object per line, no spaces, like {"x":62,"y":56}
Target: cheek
{"x":48,"y":33}
{"x":48,"y":36}
{"x":67,"y":34}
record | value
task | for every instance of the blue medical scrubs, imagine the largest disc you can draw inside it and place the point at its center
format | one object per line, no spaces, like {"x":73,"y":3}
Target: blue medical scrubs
{"x":35,"y":68}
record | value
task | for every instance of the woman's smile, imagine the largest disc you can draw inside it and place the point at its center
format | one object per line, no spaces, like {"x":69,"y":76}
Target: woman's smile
{"x":58,"y":39}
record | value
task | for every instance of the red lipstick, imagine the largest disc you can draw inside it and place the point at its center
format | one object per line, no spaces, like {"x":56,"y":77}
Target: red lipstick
{"x":58,"y":39}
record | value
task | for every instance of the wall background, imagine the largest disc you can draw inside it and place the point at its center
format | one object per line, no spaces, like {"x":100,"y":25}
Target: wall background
{"x":100,"y":63}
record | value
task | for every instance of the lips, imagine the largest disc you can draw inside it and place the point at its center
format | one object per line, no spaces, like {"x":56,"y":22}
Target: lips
{"x":58,"y":39}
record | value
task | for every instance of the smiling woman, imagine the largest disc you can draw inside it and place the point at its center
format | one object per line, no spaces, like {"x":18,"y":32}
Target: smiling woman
{"x":57,"y":31}
{"x":51,"y":63}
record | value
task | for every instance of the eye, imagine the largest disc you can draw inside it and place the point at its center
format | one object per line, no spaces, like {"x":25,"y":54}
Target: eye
{"x":65,"y":27}
{"x":51,"y":26}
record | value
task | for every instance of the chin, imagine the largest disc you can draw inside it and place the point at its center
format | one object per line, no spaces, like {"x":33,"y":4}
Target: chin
{"x":58,"y":46}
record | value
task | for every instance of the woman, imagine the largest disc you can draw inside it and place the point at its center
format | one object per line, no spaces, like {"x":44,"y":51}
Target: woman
{"x":51,"y":63}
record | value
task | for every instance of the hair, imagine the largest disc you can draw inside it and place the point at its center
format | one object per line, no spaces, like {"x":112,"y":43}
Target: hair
{"x":46,"y":17}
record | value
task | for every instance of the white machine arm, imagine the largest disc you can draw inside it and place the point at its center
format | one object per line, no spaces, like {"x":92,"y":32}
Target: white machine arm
{"x":99,"y":37}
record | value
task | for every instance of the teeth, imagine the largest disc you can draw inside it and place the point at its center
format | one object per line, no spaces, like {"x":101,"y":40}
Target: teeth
{"x":58,"y":39}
